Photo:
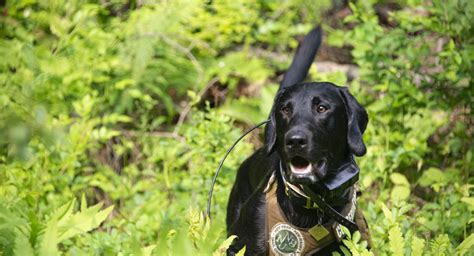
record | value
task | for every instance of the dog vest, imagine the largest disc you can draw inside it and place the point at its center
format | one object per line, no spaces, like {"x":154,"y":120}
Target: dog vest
{"x":287,"y":239}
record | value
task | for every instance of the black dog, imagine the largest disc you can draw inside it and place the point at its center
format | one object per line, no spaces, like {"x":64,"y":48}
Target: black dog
{"x":315,"y":130}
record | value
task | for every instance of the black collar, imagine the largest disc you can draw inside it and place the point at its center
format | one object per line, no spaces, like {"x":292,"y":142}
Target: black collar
{"x":307,"y":198}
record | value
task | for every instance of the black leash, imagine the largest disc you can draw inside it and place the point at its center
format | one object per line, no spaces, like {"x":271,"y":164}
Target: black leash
{"x":323,"y":205}
{"x":209,"y":198}
{"x":327,"y":209}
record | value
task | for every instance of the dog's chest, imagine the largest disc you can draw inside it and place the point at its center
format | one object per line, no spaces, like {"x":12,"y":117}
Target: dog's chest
{"x":284,"y":238}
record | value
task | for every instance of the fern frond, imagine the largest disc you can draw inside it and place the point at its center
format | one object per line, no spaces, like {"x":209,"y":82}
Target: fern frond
{"x":396,"y":241}
{"x":464,"y":247}
{"x":417,"y":246}
{"x":441,"y":245}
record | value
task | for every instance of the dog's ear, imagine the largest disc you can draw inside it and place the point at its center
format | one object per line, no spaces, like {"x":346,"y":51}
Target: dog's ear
{"x":357,"y":120}
{"x":270,"y":132}
{"x":270,"y":128}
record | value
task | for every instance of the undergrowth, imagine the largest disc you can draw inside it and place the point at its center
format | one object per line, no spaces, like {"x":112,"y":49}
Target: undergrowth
{"x":130,"y":107}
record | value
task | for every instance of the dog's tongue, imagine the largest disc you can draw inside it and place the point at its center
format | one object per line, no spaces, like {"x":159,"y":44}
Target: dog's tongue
{"x":299,"y":165}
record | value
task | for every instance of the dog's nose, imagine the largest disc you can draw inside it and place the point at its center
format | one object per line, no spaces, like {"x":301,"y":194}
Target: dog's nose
{"x":296,"y":141}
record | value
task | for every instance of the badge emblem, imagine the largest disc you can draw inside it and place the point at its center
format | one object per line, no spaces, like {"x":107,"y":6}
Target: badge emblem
{"x":286,"y":240}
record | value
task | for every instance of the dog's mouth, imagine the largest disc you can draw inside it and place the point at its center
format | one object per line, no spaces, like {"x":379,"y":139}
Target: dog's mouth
{"x":302,"y":170}
{"x":299,"y":165}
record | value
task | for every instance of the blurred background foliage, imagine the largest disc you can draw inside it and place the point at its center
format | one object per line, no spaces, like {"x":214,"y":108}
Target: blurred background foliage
{"x":130,"y":105}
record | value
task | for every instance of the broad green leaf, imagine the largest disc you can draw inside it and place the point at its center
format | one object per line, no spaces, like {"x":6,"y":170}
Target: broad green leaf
{"x":399,"y":179}
{"x":400,"y":193}
{"x":432,"y":176}
{"x":467,"y":244}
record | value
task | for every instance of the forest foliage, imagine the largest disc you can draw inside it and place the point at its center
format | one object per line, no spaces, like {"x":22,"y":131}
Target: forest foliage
{"x":129,"y":107}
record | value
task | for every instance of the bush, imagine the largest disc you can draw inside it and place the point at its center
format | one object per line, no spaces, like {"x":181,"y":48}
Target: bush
{"x":130,"y":107}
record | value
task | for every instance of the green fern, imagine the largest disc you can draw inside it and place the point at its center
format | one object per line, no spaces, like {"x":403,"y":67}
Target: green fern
{"x":396,"y":241}
{"x":22,"y":244}
{"x":65,"y":224}
{"x":441,"y":246}
{"x":354,"y":244}
{"x":464,"y":247}
{"x":417,"y":246}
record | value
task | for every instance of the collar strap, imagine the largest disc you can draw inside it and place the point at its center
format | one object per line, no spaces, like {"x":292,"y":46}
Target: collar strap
{"x":300,"y":198}
{"x":311,"y":200}
{"x":331,"y":212}
{"x":296,"y":195}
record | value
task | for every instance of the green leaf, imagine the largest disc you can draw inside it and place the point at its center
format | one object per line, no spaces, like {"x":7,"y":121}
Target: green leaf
{"x":224,"y":246}
{"x":22,"y":245}
{"x":352,"y":248}
{"x":387,"y":213}
{"x":400,"y":193}
{"x":62,"y":214}
{"x":345,"y":251}
{"x":417,"y":246}
{"x":58,"y":26}
{"x":432,"y":176}
{"x":147,"y":251}
{"x":345,"y":231}
{"x":84,"y":221}
{"x":399,"y":179}
{"x":242,"y":251}
{"x":441,"y":245}
{"x":64,"y":224}
{"x":464,"y":247}
{"x":469,"y":201}
{"x":356,"y":237}
{"x":396,"y":241}
{"x":122,"y":84}
{"x":49,"y":240}
{"x":336,"y":38}
{"x":83,"y":202}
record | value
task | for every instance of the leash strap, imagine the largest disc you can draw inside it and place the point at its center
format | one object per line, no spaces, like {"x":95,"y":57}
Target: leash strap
{"x":322,"y":205}
{"x":327,"y":209}
{"x":209,"y":197}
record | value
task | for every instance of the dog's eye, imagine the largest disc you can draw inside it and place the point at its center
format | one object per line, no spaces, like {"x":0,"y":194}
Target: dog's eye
{"x":321,"y":109}
{"x":285,"y":110}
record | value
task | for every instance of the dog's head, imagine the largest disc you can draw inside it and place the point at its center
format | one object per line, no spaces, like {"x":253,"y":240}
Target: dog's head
{"x":315,"y":127}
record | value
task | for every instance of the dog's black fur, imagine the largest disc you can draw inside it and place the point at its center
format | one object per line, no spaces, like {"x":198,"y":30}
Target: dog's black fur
{"x":319,"y":123}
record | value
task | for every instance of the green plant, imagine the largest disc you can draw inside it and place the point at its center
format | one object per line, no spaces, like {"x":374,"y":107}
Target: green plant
{"x":414,"y":141}
{"x":115,"y":101}
{"x":23,"y":234}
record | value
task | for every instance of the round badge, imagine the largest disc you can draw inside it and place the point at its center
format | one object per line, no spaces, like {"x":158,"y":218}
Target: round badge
{"x":286,"y":240}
